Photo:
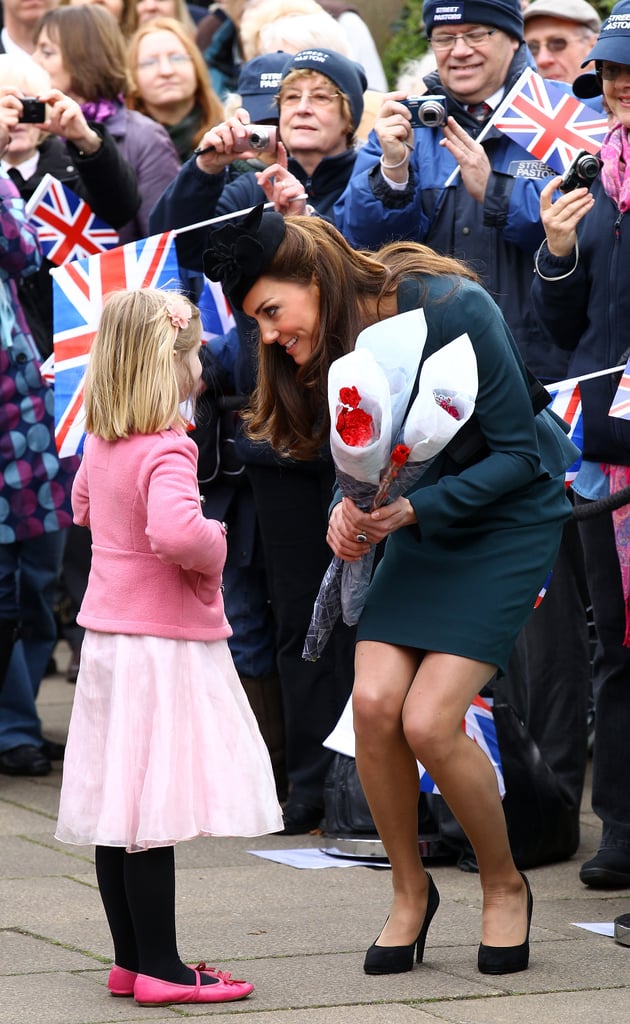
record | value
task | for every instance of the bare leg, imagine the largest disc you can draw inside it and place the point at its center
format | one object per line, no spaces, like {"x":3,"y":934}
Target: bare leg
{"x":409,"y":707}
{"x":435,"y":706}
{"x":389,"y":775}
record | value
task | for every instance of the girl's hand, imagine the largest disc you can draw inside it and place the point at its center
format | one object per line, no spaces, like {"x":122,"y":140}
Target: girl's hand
{"x":347,"y":522}
{"x":395,"y":134}
{"x":65,"y":118}
{"x":560,"y":218}
{"x":470,"y":155}
{"x":282,"y":188}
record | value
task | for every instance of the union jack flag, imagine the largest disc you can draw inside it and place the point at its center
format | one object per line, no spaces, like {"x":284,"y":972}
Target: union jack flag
{"x":66,"y":226}
{"x":79,"y":289}
{"x":548,"y":122}
{"x":216,"y":316}
{"x":566,"y":402}
{"x":621,"y":402}
{"x":479,"y":725}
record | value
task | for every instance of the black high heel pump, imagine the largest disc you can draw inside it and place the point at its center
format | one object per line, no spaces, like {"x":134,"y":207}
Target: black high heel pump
{"x":507,"y":959}
{"x":398,"y":959}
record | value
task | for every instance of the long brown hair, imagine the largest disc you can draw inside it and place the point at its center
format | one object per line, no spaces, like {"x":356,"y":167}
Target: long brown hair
{"x":289,"y":407}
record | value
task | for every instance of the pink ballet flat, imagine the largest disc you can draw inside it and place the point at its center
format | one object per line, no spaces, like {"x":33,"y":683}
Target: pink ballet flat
{"x":154,"y":992}
{"x":121,"y":981}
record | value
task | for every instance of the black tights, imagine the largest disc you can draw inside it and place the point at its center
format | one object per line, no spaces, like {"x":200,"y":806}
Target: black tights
{"x":138,"y":893}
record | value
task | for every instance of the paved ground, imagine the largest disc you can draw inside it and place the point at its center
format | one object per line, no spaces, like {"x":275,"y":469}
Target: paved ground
{"x":299,"y":935}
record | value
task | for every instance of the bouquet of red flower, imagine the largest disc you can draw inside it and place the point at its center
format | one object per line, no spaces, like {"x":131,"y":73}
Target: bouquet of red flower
{"x":366,"y":419}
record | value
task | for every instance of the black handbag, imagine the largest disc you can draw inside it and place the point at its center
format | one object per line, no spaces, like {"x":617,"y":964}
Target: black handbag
{"x":542,"y":825}
{"x":345,"y":807}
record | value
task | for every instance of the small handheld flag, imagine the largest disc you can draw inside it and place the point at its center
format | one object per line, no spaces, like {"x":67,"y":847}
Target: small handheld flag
{"x":66,"y":226}
{"x":549,"y":122}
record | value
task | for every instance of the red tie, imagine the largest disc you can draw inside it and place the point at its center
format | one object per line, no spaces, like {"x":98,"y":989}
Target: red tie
{"x":480,"y":111}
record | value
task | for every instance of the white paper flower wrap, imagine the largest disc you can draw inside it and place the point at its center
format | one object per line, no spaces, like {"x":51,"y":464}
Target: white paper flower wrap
{"x":426,"y":430}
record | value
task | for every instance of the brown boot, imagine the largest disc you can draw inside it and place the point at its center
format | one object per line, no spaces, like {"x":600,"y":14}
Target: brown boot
{"x":265,"y":698}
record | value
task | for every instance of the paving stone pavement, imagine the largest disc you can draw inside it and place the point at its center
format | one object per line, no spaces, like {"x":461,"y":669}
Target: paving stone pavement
{"x":298,"y":935}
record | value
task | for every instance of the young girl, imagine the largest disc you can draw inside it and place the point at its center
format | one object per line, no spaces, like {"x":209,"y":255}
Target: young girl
{"x":162,"y":744}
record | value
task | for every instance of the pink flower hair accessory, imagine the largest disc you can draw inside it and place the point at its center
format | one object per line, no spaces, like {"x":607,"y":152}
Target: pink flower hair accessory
{"x":178,"y":312}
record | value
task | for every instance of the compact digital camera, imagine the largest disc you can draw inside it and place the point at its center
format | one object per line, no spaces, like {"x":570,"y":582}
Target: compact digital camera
{"x":426,"y":111}
{"x":581,"y":172}
{"x":261,"y":137}
{"x":33,"y":111}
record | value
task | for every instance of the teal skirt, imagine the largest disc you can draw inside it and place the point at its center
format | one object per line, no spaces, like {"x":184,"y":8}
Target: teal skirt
{"x":470,"y":588}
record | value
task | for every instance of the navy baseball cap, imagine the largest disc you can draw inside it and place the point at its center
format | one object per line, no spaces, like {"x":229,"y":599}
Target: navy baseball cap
{"x":613,"y":42}
{"x":258,"y":85}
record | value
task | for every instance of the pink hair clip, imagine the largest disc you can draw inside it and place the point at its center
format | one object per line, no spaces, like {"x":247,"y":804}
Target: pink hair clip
{"x":179,"y":312}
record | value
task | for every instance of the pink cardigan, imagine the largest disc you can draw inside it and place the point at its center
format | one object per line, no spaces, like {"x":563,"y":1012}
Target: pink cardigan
{"x":156,"y":562}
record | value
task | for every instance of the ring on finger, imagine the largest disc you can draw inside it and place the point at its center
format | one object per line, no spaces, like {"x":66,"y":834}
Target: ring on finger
{"x":361,"y":538}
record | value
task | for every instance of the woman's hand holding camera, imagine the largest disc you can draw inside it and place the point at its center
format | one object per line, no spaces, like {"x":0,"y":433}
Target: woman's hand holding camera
{"x":225,"y":143}
{"x":66,"y":118}
{"x":560,"y":219}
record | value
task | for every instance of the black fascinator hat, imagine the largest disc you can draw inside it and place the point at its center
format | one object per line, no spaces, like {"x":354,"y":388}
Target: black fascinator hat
{"x":241,"y":250}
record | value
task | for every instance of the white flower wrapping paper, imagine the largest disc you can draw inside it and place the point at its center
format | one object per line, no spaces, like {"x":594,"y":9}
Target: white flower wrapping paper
{"x":425,"y":427}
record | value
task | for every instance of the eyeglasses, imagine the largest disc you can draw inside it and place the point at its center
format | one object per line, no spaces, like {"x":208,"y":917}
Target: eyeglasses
{"x":319,"y":98}
{"x":556,"y":45}
{"x":610,"y":72}
{"x":173,"y":58}
{"x":476,"y":37}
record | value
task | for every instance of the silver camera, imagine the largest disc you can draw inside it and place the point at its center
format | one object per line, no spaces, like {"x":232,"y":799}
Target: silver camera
{"x":261,"y":137}
{"x":426,"y":111}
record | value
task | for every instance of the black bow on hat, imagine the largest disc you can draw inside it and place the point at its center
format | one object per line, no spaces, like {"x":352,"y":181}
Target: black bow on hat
{"x":241,"y":251}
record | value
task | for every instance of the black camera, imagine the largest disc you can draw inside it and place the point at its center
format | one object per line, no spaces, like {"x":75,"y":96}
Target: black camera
{"x":426,"y":111}
{"x":33,"y":111}
{"x":581,"y":172}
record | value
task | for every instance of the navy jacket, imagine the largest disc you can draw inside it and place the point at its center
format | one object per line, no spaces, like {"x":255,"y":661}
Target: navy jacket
{"x":585,"y":308}
{"x":498,"y":237}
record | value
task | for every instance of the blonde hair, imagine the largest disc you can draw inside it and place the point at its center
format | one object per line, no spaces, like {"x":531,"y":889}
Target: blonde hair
{"x":262,"y":12}
{"x":138,"y":372}
{"x":297,"y":32}
{"x":23,"y":73}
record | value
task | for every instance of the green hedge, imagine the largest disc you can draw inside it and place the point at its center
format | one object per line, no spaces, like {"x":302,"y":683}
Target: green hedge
{"x":408,"y":39}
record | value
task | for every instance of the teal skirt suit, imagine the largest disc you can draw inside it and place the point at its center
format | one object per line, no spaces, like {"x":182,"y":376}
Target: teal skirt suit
{"x":464,"y":580}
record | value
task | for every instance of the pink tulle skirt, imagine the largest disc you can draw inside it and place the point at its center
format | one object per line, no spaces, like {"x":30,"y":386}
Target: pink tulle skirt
{"x":162,"y":747}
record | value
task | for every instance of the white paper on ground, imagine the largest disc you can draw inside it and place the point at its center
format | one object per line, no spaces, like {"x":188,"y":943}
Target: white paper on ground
{"x":597,"y":927}
{"x":313,"y":858}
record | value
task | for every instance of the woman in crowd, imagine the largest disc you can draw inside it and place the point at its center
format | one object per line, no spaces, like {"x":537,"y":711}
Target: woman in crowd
{"x":581,"y":297}
{"x":467,"y":550}
{"x":169,"y":83}
{"x":83,"y":52}
{"x":320,"y":103}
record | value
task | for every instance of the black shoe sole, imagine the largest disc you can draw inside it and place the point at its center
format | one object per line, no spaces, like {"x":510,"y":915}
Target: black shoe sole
{"x":599,"y":878}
